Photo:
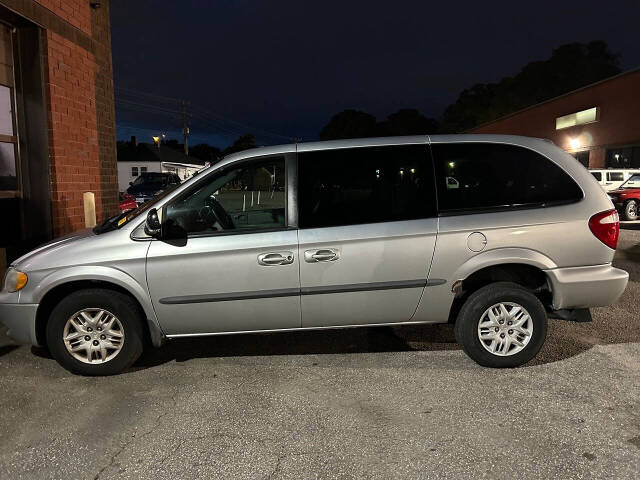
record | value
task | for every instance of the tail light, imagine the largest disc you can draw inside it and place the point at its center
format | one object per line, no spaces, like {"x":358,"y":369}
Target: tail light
{"x":606,"y":227}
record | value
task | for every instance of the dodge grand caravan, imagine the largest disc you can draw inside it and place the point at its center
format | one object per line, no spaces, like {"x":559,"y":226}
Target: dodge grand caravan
{"x":492,"y":233}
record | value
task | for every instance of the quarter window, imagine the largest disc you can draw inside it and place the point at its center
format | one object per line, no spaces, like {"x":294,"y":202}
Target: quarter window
{"x":365,"y":185}
{"x":250,"y":196}
{"x":478,"y":176}
{"x":597,"y":175}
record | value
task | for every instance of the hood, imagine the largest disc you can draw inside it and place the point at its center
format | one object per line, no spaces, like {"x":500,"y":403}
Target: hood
{"x":54,"y":245}
{"x":625,"y":191}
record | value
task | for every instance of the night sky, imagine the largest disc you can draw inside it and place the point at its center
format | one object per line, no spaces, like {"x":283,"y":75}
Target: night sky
{"x":285,"y":67}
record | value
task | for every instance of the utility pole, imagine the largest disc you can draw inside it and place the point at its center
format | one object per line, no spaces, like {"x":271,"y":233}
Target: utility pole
{"x":185,"y":125}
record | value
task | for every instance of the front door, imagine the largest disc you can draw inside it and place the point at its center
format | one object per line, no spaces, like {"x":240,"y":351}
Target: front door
{"x":229,"y":262}
{"x":368,"y":228}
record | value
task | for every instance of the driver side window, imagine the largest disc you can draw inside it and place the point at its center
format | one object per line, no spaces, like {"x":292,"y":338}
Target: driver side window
{"x":249,"y":196}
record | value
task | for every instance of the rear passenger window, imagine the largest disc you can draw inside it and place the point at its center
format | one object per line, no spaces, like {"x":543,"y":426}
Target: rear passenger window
{"x":615,"y":176}
{"x":479,"y":176}
{"x":365,"y":185}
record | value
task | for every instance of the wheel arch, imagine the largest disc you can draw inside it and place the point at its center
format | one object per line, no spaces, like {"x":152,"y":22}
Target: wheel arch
{"x":60,"y":284}
{"x":521,"y":266}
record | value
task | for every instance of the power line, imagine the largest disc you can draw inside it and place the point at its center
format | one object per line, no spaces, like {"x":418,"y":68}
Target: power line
{"x":144,"y":96}
{"x":153,"y":109}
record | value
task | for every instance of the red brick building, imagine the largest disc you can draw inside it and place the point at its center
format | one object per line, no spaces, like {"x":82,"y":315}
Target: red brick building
{"x":57,"y":120}
{"x":599,"y":123}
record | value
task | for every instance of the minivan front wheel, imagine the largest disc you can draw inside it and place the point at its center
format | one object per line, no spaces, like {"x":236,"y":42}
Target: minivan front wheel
{"x":501,"y":325}
{"x":95,"y":332}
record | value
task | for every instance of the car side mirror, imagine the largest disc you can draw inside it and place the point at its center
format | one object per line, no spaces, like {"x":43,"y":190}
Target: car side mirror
{"x":152,"y":226}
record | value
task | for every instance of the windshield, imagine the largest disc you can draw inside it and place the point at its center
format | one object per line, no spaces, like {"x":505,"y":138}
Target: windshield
{"x":632,"y":182}
{"x":120,"y":220}
{"x":150,"y":179}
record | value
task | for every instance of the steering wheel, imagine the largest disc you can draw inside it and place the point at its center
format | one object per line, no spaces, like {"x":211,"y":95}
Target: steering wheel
{"x":213,"y":212}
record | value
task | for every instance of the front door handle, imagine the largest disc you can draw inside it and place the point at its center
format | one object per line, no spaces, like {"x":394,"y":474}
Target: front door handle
{"x":275,"y":258}
{"x":321,"y":255}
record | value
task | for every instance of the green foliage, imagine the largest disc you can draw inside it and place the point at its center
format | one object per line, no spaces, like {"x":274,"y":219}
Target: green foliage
{"x":570,"y":67}
{"x":349,"y":124}
{"x":357,"y":124}
{"x":205,"y":152}
{"x":243,"y":142}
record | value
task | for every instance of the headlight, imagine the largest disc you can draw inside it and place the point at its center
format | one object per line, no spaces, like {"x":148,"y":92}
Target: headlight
{"x":14,"y":280}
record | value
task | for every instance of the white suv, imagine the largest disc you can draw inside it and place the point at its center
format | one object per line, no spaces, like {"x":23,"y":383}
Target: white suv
{"x":611,"y":179}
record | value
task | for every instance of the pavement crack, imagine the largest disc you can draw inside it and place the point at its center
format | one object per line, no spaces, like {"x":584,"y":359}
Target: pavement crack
{"x":156,"y":424}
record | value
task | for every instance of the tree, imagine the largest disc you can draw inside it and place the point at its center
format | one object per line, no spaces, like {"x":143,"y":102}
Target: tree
{"x":356,"y":124}
{"x":243,"y":142}
{"x":205,"y":152}
{"x":407,"y":121}
{"x":570,"y":67}
{"x":349,"y":124}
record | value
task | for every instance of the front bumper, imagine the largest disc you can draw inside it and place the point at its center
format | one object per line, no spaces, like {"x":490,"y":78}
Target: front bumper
{"x":584,"y":287}
{"x":20,"y":319}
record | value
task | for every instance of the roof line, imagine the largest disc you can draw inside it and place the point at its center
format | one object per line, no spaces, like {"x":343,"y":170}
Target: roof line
{"x":604,"y":80}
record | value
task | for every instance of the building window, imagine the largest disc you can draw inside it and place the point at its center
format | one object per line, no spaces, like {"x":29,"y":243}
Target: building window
{"x":134,"y":171}
{"x":583,"y":158}
{"x":624,"y":157}
{"x":9,"y":165}
{"x":579,"y":118}
{"x":143,"y":170}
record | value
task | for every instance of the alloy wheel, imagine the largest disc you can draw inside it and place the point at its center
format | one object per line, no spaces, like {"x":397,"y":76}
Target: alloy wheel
{"x":93,"y":335}
{"x":505,"y":329}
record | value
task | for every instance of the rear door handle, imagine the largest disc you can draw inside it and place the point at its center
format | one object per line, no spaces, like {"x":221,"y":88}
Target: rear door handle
{"x":321,"y":255}
{"x":275,"y":258}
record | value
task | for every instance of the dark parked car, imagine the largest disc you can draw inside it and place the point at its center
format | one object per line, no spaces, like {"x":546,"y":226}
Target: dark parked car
{"x":149,"y":184}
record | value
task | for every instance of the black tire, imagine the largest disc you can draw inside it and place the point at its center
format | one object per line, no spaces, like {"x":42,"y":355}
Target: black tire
{"x":122,"y":306}
{"x":631,"y":210}
{"x":466,"y":327}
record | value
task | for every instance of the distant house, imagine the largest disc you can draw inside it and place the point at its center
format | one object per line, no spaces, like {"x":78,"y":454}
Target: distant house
{"x":135,"y":158}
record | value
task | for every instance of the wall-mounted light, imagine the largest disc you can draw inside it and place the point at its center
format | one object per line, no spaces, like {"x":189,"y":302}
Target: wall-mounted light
{"x":575,"y":143}
{"x":95,"y":5}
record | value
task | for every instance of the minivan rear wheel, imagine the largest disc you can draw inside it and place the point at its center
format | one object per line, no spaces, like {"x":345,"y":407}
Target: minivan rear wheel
{"x":95,"y":332}
{"x":501,"y":325}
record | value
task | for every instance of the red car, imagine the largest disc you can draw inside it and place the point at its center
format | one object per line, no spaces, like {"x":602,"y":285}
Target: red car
{"x":127,"y":202}
{"x":627,"y":198}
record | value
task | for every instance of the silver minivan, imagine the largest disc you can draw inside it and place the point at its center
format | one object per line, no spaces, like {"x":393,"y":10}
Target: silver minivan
{"x":492,"y":233}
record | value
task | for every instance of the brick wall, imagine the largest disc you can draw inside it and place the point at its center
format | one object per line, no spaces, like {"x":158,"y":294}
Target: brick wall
{"x":619,"y":103}
{"x":105,"y":110}
{"x":73,"y":131}
{"x":79,"y":91}
{"x":76,"y":12}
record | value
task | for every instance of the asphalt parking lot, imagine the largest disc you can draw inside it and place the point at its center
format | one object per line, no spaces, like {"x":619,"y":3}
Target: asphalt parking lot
{"x":363,"y":403}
